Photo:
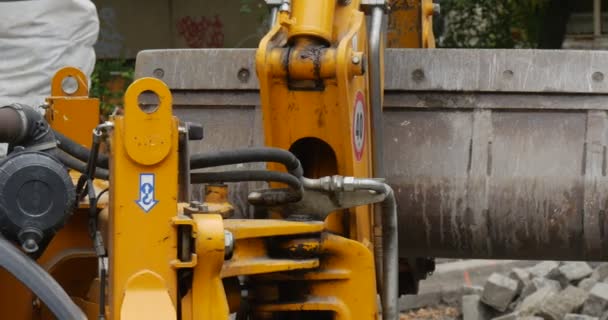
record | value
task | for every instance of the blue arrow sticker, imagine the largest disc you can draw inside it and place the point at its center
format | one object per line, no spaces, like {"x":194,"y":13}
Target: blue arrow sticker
{"x":146,"y":199}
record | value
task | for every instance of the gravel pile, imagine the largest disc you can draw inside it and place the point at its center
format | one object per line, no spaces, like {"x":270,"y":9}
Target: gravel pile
{"x":548,"y":290}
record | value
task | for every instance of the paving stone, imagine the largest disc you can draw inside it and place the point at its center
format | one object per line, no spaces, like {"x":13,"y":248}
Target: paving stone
{"x":532,"y":303}
{"x":473,"y":309}
{"x":574,"y":316}
{"x":597,"y":302}
{"x":543,"y":269}
{"x":601,"y":271}
{"x":522,"y":277}
{"x":588,"y":283}
{"x":499,"y":291}
{"x":567,"y":301}
{"x":571,"y":272}
{"x":508,"y":316}
{"x":538,"y":283}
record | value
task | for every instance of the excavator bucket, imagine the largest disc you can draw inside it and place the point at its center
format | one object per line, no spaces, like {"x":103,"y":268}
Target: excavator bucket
{"x":491,"y":153}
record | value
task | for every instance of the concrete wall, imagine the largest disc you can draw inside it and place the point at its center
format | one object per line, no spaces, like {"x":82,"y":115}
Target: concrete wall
{"x":128,"y":27}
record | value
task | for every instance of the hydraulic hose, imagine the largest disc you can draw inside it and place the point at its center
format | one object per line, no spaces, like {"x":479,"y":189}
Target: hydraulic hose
{"x":247,"y":175}
{"x":261,"y":154}
{"x":376,"y":53}
{"x":79,"y":166}
{"x":77,"y":151}
{"x":390,"y":247}
{"x":38,"y":281}
{"x":200,"y":161}
{"x":390,"y":240}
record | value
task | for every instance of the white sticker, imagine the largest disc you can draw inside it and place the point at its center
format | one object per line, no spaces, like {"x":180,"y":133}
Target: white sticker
{"x":356,"y":42}
{"x":358,"y":126}
{"x":146,"y":199}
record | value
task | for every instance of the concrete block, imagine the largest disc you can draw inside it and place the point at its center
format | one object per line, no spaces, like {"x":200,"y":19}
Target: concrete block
{"x":532,"y":303}
{"x":571,"y":272}
{"x":601,"y":271}
{"x":466,"y":290}
{"x":562,"y":303}
{"x":538,"y":283}
{"x":574,"y":316}
{"x":543,"y":269}
{"x":499,"y":291}
{"x":597,"y":302}
{"x":452,"y":296}
{"x":421,"y":300}
{"x":588,"y":283}
{"x":473,"y":309}
{"x":522,"y":277}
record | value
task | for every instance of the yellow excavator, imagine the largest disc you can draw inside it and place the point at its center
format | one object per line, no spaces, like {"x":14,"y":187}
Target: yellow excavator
{"x":324,"y":182}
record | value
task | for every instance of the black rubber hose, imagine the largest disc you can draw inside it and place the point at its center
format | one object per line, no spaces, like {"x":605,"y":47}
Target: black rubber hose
{"x":38,"y":281}
{"x":77,"y":151}
{"x":80,"y":166}
{"x":200,"y":161}
{"x":12,"y":127}
{"x":261,"y":154}
{"x":247,"y":175}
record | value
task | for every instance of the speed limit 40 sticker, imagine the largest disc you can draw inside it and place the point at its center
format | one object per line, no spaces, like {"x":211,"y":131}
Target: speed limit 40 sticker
{"x":358,"y":127}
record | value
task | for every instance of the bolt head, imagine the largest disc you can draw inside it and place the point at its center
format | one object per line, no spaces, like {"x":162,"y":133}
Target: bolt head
{"x":356,"y":60}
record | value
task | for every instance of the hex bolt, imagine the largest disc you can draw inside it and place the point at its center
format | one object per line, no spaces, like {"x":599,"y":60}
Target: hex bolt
{"x":356,"y":60}
{"x":243,"y":75}
{"x":228,"y":244}
{"x":30,"y":246}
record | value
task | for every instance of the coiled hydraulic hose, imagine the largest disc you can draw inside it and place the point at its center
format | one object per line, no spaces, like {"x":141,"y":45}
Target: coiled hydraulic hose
{"x":248,"y":155}
{"x":247,"y":175}
{"x":38,"y":281}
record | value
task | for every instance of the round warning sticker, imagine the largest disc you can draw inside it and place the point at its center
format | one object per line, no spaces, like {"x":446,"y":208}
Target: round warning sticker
{"x":358,"y":127}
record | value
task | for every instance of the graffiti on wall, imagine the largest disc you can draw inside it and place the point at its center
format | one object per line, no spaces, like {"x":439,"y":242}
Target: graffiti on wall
{"x":202,"y":32}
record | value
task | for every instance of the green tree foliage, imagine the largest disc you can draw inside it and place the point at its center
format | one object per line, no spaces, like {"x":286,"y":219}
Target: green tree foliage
{"x":490,"y":23}
{"x":107,"y":70}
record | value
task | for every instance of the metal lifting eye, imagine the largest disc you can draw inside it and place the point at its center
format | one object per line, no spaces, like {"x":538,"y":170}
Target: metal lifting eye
{"x":148,"y":101}
{"x":69,"y":85}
